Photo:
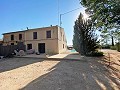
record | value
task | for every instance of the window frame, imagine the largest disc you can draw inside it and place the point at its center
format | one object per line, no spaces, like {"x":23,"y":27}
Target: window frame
{"x":12,"y":37}
{"x":48,"y":34}
{"x":63,"y":37}
{"x":28,"y":46}
{"x":20,"y":36}
{"x":34,"y":35}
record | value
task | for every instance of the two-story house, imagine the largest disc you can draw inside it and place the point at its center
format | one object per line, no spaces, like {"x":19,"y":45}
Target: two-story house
{"x":44,"y":40}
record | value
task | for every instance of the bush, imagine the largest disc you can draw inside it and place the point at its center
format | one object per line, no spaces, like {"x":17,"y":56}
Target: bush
{"x":96,"y":54}
{"x":113,"y":48}
{"x":106,"y":47}
{"x":118,"y":47}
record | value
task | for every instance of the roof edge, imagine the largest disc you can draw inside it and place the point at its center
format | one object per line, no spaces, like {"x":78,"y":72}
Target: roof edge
{"x":30,"y":29}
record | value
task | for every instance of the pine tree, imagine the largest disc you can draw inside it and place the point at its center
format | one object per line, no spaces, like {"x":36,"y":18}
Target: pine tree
{"x":84,"y":40}
{"x":76,"y":38}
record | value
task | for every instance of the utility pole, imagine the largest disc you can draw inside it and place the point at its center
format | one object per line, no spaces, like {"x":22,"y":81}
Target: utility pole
{"x":66,"y":13}
{"x":58,"y":11}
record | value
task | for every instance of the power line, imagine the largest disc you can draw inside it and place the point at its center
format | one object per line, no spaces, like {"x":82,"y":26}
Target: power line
{"x":70,"y":11}
{"x":66,"y":13}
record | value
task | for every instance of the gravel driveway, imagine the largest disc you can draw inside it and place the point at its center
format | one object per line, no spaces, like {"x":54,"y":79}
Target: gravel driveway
{"x":39,"y":74}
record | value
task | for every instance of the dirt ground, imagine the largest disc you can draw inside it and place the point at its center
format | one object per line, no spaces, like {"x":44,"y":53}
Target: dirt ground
{"x":90,"y":73}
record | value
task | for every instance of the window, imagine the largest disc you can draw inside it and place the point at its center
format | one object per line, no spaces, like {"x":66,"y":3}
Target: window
{"x":63,"y":37}
{"x":12,"y":43}
{"x":29,"y":46}
{"x":20,"y":36}
{"x":48,"y":34}
{"x":34,"y":35}
{"x":61,"y":33}
{"x":12,"y":37}
{"x":63,"y":45}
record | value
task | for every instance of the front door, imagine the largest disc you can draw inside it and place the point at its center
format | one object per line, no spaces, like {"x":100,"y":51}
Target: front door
{"x":41,"y":47}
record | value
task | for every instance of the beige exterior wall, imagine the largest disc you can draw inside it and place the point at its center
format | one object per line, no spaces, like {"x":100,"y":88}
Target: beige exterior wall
{"x":51,"y":44}
{"x":62,"y":42}
{"x":56,"y":44}
{"x":41,"y":33}
{"x":7,"y":38}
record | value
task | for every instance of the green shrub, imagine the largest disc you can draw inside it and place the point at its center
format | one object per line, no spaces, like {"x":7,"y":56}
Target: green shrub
{"x":106,"y":47}
{"x":95,"y":54}
{"x":113,"y":48}
{"x":118,"y":47}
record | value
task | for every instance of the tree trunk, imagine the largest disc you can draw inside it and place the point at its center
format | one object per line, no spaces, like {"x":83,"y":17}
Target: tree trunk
{"x":112,"y":40}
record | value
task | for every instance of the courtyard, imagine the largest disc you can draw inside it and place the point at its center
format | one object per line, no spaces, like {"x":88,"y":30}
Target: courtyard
{"x":86,"y":73}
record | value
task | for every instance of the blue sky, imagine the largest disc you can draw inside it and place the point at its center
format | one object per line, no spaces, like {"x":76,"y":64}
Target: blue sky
{"x":16,"y":15}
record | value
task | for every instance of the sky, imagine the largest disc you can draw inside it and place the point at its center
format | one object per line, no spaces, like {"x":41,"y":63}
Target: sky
{"x":16,"y":15}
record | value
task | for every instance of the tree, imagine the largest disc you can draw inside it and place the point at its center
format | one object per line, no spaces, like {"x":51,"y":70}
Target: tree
{"x":84,"y":40}
{"x":105,"y":16}
{"x":117,"y":34}
{"x":103,"y":12}
{"x":76,"y":38}
{"x":104,"y":39}
{"x":108,"y":34}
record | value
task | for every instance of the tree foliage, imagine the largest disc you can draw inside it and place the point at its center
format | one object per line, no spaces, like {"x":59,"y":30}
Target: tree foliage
{"x":105,"y":15}
{"x":103,"y":12}
{"x":84,"y":40}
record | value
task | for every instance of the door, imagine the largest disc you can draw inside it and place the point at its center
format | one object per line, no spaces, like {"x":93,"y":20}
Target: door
{"x":41,"y":47}
{"x":29,"y":46}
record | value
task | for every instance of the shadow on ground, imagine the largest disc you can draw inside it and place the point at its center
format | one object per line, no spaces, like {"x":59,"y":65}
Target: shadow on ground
{"x":13,"y":63}
{"x":86,"y":74}
{"x":73,"y":75}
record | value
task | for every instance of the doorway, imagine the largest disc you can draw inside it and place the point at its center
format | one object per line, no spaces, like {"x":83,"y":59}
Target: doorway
{"x":29,"y":46}
{"x":41,"y":47}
